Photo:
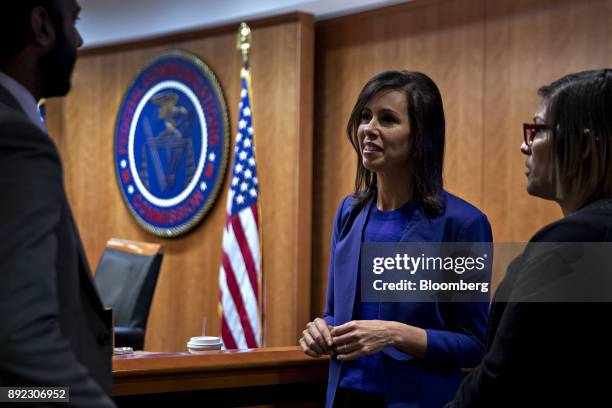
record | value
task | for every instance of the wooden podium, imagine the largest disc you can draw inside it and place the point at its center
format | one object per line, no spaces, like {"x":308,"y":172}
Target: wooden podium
{"x":280,"y":376}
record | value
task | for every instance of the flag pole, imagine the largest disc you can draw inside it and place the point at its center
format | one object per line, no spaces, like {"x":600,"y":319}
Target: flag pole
{"x":244,"y":42}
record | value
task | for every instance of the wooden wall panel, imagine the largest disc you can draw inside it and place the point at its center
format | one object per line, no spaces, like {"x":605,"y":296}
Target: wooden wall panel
{"x":529,"y":44}
{"x":187,"y":289}
{"x":54,"y":115}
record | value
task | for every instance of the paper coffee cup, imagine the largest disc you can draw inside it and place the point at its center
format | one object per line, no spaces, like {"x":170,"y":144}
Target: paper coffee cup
{"x":204,"y":343}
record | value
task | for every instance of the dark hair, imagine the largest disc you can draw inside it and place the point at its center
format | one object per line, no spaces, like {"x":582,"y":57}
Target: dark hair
{"x":427,"y":125}
{"x":547,"y":90}
{"x":579,"y":115}
{"x":15,"y":31}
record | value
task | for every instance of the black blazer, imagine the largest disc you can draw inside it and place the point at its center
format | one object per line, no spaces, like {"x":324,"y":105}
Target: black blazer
{"x":53,"y":328}
{"x":548,"y":354}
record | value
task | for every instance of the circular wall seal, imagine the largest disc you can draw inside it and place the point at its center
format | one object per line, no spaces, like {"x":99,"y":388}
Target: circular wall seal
{"x":171,"y":143}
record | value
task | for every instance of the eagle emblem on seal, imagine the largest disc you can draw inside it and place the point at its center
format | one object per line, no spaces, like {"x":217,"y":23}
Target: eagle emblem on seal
{"x":171,"y":143}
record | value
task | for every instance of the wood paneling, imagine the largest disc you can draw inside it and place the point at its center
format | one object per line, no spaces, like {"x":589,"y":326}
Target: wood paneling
{"x":530,"y":44}
{"x":187,"y":290}
{"x":488,"y":57}
{"x":54,"y":119}
{"x":270,"y":377}
{"x":150,"y":373}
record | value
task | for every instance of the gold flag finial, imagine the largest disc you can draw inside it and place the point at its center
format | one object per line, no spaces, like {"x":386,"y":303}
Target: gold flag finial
{"x":244,"y":42}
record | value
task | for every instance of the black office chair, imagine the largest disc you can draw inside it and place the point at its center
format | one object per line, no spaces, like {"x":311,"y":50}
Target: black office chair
{"x":126,"y":277}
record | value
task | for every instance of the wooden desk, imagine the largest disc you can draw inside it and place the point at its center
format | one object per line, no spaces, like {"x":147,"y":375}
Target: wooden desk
{"x":271,"y":376}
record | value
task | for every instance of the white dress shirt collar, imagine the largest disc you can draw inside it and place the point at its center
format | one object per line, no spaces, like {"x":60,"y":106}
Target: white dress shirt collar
{"x":24,"y":98}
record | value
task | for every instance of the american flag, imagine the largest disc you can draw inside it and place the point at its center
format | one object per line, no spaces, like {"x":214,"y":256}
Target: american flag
{"x":240,"y":271}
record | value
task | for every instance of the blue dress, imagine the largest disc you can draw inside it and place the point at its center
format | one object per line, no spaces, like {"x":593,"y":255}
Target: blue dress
{"x":455,"y":331}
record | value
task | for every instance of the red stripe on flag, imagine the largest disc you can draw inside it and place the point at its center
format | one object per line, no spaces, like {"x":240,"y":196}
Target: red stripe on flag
{"x":226,"y":335}
{"x":255,"y":212}
{"x":247,"y":256}
{"x":240,"y":308}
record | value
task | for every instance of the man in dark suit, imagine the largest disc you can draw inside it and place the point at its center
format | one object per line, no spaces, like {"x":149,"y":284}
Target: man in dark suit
{"x":54,"y":330}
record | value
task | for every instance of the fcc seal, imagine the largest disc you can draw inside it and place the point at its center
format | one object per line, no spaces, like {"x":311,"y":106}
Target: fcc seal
{"x":171,"y":143}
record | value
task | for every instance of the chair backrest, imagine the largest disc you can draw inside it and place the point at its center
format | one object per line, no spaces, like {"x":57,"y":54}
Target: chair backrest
{"x":126,"y":277}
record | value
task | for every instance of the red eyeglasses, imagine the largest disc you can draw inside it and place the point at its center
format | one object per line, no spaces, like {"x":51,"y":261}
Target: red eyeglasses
{"x":530,"y":131}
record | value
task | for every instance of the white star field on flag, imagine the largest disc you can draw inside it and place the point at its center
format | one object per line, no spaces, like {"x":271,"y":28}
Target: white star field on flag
{"x":244,"y":160}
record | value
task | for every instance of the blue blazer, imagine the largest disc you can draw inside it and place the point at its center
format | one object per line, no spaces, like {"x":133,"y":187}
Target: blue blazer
{"x":455,"y":331}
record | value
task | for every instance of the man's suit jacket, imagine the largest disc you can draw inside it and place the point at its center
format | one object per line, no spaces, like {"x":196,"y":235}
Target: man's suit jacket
{"x":455,"y":331}
{"x":54,"y":330}
{"x":549,"y":354}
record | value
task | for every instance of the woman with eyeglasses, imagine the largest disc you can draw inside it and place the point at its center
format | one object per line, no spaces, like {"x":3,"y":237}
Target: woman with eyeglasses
{"x":396,"y":353}
{"x":548,"y":341}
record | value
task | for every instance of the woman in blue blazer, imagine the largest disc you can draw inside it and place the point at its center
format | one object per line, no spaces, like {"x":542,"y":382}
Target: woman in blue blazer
{"x":406,"y":354}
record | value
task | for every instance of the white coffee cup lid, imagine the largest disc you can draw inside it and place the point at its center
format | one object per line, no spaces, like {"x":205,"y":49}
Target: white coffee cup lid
{"x":203,"y":348}
{"x":205,"y":341}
